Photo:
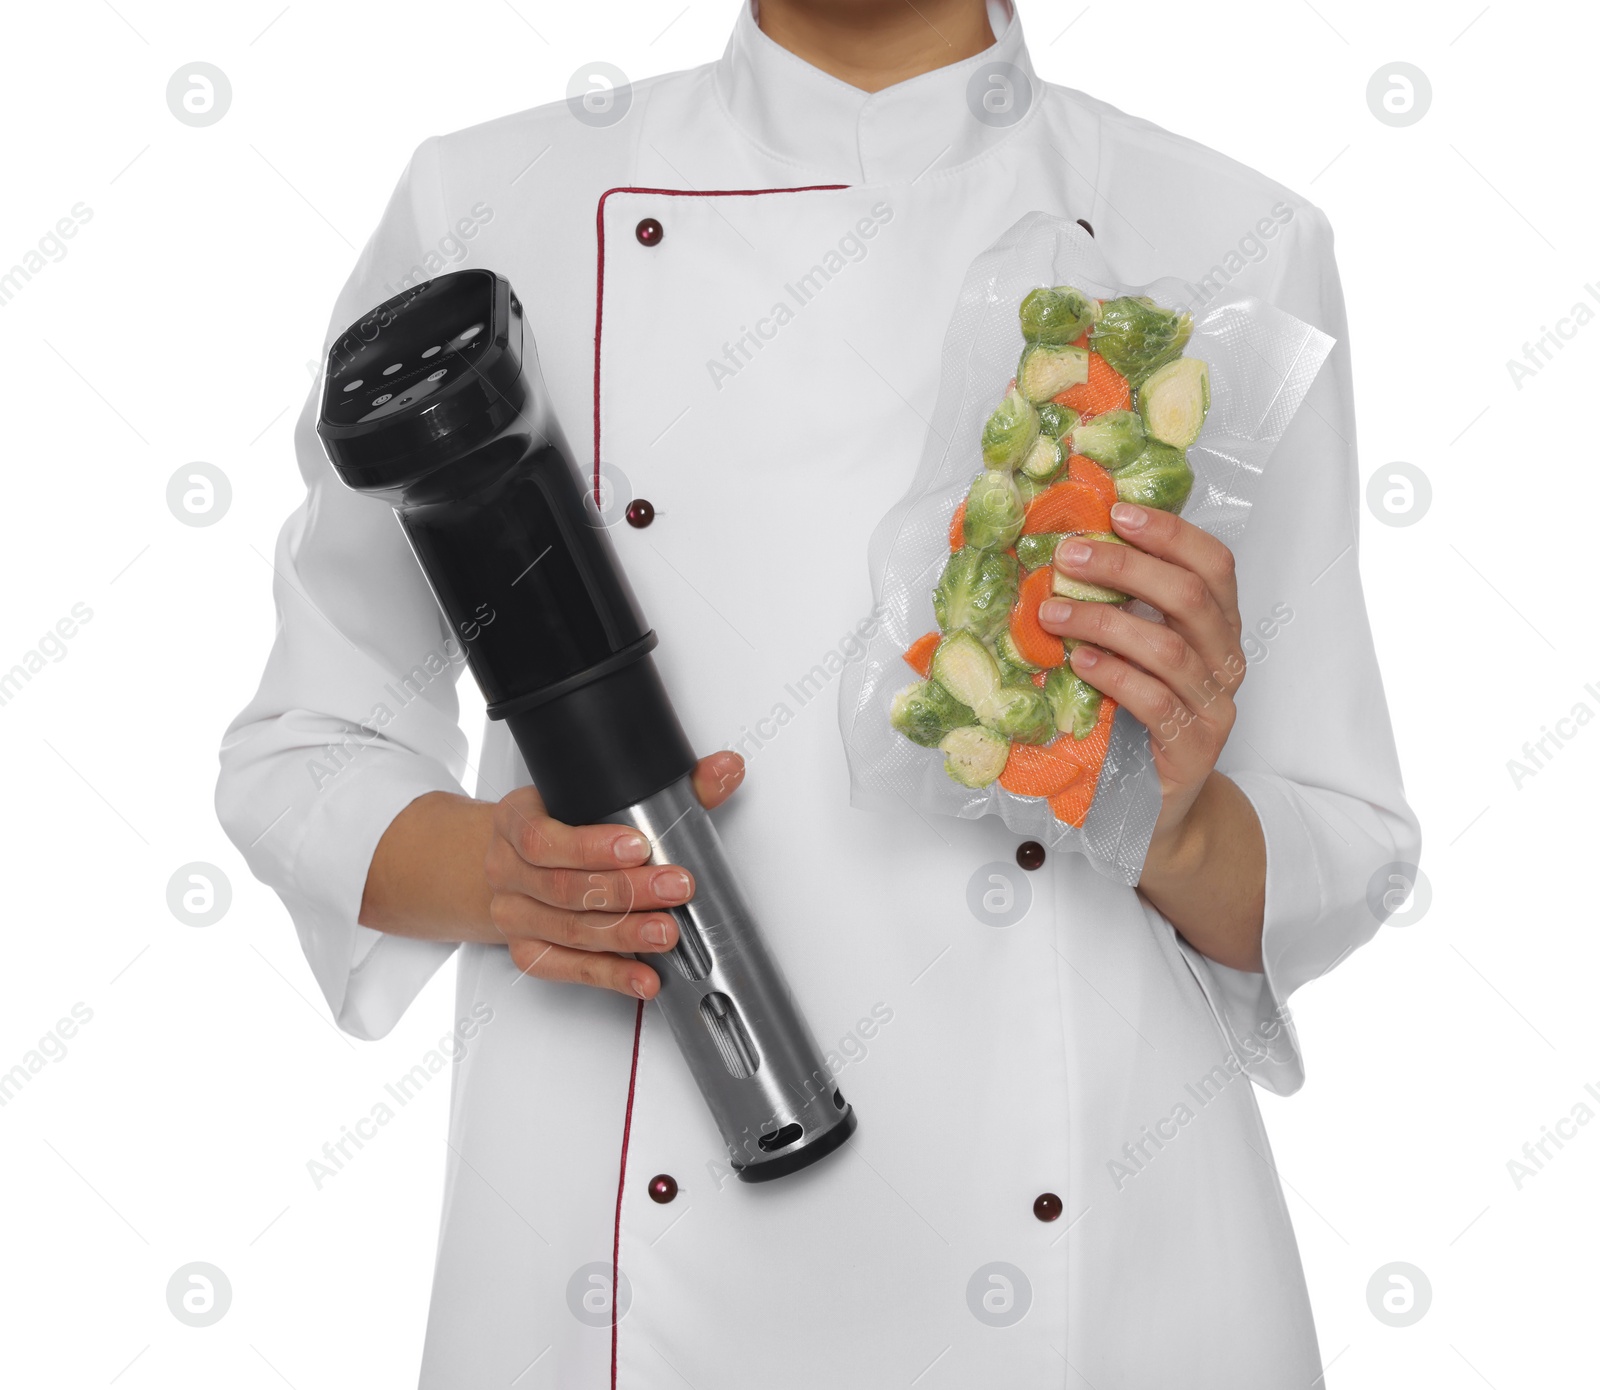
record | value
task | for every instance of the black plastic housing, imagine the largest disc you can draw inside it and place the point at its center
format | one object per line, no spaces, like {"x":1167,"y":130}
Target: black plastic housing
{"x":434,"y":402}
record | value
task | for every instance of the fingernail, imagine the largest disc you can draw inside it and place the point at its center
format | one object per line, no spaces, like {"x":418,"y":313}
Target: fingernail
{"x":673,"y":885}
{"x":1075,"y":553}
{"x":1129,"y":515}
{"x":656,"y":932}
{"x":1054,"y":610}
{"x":1084,"y":656}
{"x":630,"y":849}
{"x":638,"y":987}
{"x":730,"y":771}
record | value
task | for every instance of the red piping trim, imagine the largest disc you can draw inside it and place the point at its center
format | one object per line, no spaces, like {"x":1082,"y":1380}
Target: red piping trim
{"x":622,"y":1179}
{"x":599,"y":308}
{"x":600,"y":275}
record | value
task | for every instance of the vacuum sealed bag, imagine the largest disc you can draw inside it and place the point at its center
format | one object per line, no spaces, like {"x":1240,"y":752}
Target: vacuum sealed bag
{"x":1061,"y":392}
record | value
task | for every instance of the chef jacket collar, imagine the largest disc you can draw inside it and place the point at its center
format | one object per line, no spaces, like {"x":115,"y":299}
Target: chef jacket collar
{"x":836,"y":132}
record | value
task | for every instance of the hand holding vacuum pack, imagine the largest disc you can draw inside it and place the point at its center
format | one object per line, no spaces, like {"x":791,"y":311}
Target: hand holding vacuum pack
{"x":1061,"y":394}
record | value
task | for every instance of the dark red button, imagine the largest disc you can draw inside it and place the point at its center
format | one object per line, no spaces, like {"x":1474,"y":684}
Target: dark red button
{"x":1081,"y":222}
{"x":649,"y":232}
{"x":664,"y":1187}
{"x":1047,"y":1206}
{"x":640,"y":513}
{"x":1030,"y":854}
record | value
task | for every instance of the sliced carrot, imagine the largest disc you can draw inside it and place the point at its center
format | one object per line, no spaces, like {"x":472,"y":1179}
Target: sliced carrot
{"x":1072,"y":804}
{"x":919,"y":655}
{"x":1038,"y":678}
{"x":1048,"y":769}
{"x":1106,"y":389}
{"x":958,"y":537}
{"x":1083,"y":469}
{"x":1070,"y":505}
{"x":1034,"y":644}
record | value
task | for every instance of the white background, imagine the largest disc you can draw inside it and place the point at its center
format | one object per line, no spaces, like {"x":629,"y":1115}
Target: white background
{"x":179,"y":326}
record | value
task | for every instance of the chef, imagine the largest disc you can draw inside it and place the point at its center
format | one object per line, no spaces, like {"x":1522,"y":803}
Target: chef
{"x":738,"y":279}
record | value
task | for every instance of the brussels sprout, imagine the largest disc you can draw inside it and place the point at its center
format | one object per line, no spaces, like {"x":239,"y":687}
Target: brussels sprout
{"x":1037,"y":548}
{"x":1045,"y":371}
{"x":993,"y":519}
{"x":1014,"y":667}
{"x":1084,"y":592}
{"x":974,"y":756}
{"x":1136,"y":335}
{"x":1174,"y":400}
{"x":1056,"y":420}
{"x":976,"y":591}
{"x":1021,"y":713}
{"x":1044,"y":460}
{"x":1029,"y":488}
{"x":1056,"y":316}
{"x":1074,"y":702}
{"x":1009,"y":432}
{"x":1113,"y":439}
{"x":970,"y":676}
{"x":963,"y":667}
{"x":1011,"y":675}
{"x":925,"y":712}
{"x":1160,"y":477}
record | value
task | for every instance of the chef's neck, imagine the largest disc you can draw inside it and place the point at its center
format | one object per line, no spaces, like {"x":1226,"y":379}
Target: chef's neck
{"x":872,"y":44}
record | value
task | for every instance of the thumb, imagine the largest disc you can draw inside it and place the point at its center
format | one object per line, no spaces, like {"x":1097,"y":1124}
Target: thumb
{"x":717,"y":777}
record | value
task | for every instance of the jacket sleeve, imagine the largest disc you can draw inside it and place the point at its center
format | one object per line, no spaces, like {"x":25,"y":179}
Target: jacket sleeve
{"x":1312,"y":747}
{"x":356,"y":713}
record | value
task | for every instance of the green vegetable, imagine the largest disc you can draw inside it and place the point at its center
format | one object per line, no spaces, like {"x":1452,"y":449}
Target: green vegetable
{"x":976,"y":591}
{"x":1044,"y":459}
{"x":1037,"y":548}
{"x":1084,"y":592}
{"x":963,"y":667}
{"x":1160,"y":477}
{"x":1029,"y":488}
{"x":925,"y":712}
{"x":1056,"y":420}
{"x":1113,"y":439}
{"x":993,"y":519}
{"x":1074,"y":702}
{"x":974,"y":756}
{"x":1021,"y":713}
{"x":1044,"y":370}
{"x":1055,"y":316}
{"x":1014,"y":667}
{"x":1136,"y":335}
{"x":1174,"y":400}
{"x":1011,"y":675}
{"x":969,"y":675}
{"x":1009,"y":432}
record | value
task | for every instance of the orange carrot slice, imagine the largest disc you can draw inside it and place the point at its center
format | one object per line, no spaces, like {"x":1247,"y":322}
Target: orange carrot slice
{"x":1048,"y":769}
{"x":1071,"y":505}
{"x":1106,"y":389}
{"x":1034,"y":644}
{"x":1072,"y":804}
{"x":1038,"y":678}
{"x":958,"y":537}
{"x":919,"y":655}
{"x":1083,"y":469}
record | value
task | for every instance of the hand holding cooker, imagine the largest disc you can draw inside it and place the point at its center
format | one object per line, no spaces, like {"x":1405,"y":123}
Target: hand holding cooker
{"x":434,"y":402}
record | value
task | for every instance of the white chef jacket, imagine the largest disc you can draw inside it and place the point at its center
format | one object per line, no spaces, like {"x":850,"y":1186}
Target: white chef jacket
{"x":1084,"y":1050}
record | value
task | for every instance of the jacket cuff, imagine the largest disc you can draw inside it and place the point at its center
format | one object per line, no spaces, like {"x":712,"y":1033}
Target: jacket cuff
{"x":368,"y":977}
{"x":1252,"y":1009}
